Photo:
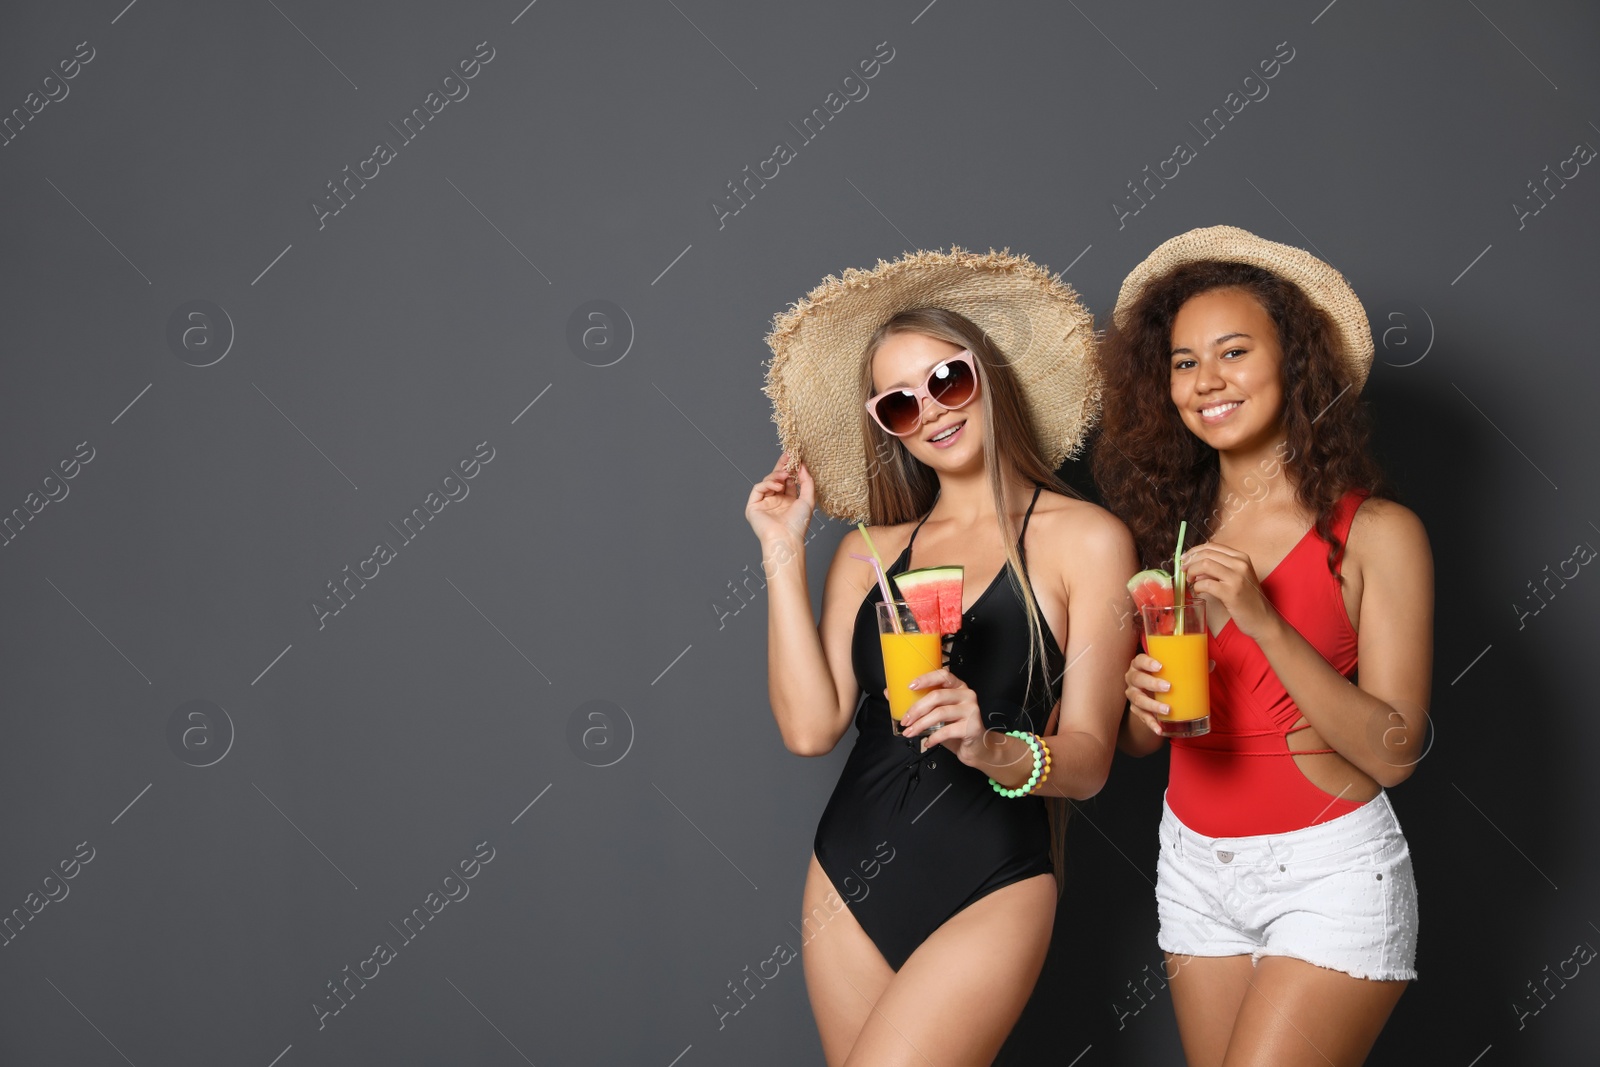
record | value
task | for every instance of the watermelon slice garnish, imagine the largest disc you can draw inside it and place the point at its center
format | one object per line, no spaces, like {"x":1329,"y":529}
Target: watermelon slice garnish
{"x":934,"y":596}
{"x":1152,"y":588}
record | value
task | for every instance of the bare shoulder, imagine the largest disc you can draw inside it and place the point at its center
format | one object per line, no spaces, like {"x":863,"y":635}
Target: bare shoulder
{"x":1383,"y":526}
{"x":1388,"y":545}
{"x":1082,"y":533}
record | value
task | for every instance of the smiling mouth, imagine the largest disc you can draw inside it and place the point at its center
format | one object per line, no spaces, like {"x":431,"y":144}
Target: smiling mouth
{"x":1214,"y":412}
{"x":946,"y":433}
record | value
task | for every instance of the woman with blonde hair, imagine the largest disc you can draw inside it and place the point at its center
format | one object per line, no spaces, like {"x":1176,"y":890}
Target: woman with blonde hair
{"x":933,"y":397}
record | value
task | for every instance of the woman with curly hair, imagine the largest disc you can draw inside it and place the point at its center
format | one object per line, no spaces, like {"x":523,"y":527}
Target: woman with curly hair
{"x":1285,"y":893}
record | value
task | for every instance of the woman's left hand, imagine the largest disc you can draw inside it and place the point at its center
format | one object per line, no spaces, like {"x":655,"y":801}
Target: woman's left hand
{"x":948,"y":715}
{"x":1227,"y":575}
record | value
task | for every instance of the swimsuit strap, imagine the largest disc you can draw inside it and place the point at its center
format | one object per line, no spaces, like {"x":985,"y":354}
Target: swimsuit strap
{"x":1023,"y":552}
{"x":1343,"y":518}
{"x":1302,"y":751}
{"x":909,"y":543}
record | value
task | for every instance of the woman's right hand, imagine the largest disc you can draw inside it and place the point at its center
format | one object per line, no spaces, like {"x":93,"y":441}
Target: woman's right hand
{"x":1144,"y":692}
{"x":780,"y":505}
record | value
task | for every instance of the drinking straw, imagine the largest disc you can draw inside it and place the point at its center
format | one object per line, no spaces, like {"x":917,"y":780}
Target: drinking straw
{"x":870,"y":546}
{"x":1177,"y":574}
{"x":883,"y":583}
{"x":883,"y":587}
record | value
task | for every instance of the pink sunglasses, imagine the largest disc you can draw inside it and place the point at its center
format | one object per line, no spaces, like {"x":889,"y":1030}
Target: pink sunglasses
{"x":952,"y":383}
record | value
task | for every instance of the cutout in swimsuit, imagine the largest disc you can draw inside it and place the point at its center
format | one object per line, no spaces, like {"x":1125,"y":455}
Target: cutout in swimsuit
{"x":952,"y":838}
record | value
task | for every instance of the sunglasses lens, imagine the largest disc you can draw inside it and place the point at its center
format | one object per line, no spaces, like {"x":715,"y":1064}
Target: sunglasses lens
{"x":952,"y":384}
{"x":899,"y":411}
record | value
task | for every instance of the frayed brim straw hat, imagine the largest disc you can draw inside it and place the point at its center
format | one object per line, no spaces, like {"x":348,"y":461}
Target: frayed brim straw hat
{"x":1324,"y":286}
{"x":1034,"y":319}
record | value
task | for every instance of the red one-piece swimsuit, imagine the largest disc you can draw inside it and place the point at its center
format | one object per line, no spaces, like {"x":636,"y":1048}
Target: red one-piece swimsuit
{"x":1240,"y":779}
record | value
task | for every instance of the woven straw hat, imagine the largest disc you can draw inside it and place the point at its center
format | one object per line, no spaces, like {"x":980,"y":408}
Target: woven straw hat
{"x":1325,"y":286}
{"x":1033,"y":318}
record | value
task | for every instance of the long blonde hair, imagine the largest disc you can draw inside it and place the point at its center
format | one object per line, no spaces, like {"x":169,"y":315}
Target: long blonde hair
{"x":901,"y":487}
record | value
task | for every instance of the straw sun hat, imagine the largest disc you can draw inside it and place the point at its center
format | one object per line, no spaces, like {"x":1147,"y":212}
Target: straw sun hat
{"x":1036,"y":320}
{"x":1324,"y":286}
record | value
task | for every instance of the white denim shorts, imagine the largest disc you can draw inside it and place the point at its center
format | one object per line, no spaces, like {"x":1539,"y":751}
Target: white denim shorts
{"x":1339,"y":894}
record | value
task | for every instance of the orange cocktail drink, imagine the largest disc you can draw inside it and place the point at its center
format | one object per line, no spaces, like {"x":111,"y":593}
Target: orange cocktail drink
{"x":907,"y":654}
{"x":1177,"y":638}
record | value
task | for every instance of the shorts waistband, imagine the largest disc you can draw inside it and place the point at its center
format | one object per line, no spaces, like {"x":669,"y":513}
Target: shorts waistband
{"x":1307,"y":843}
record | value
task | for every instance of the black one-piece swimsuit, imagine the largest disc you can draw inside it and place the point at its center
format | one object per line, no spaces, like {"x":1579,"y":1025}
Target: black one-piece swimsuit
{"x":950,"y":837}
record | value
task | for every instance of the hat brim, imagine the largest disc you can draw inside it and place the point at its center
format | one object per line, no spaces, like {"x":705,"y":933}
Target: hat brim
{"x":1035,"y":320}
{"x":1323,"y":285}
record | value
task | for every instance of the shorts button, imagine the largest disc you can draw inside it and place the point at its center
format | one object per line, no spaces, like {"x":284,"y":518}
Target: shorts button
{"x":1380,"y":877}
{"x":932,"y":765}
{"x":1281,"y":867}
{"x":1225,"y":857}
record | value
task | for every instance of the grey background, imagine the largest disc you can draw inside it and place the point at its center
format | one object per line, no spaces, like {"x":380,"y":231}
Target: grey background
{"x":594,"y":558}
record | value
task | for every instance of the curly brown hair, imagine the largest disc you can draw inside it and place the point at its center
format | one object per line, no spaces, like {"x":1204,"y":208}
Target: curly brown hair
{"x":1152,"y":471}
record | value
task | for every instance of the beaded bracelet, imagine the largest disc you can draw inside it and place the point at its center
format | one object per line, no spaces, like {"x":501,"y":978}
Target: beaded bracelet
{"x":1037,"y":747}
{"x":1045,"y":772}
